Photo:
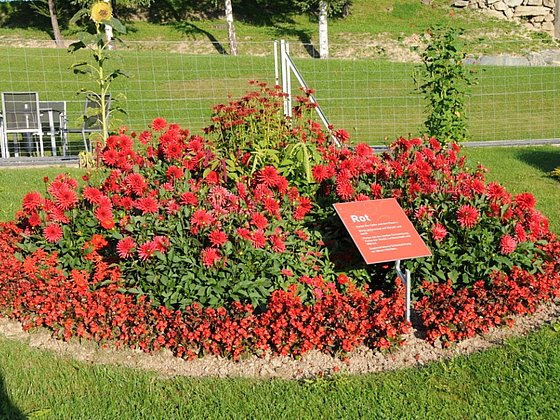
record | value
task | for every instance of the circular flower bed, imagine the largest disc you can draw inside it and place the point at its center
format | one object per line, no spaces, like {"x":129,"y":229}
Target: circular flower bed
{"x":228,"y":243}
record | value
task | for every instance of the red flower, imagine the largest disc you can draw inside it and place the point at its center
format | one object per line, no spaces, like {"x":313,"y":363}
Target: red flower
{"x":439,"y":232}
{"x":272,"y":206}
{"x":422,"y":211}
{"x":93,"y":195}
{"x":520,"y":233}
{"x":137,"y":183}
{"x":244,"y":233}
{"x":376,"y":190}
{"x":217,"y":238}
{"x":258,"y":239}
{"x":525,"y":201}
{"x":159,"y":124}
{"x":344,"y":189}
{"x":145,"y":137}
{"x":174,"y":172}
{"x":277,"y":243}
{"x":161,"y":243}
{"x":125,"y":247}
{"x":34,"y":219}
{"x":189,"y":198}
{"x":301,"y":234}
{"x":32,"y":200}
{"x":65,"y":198}
{"x":147,"y":250}
{"x":321,"y":173}
{"x":507,"y":244}
{"x":210,"y":256}
{"x":269,"y":176}
{"x":147,"y":205}
{"x":173,"y":150}
{"x":53,"y":232}
{"x":98,"y":241}
{"x":259,"y":221}
{"x":103,"y":213}
{"x":467,"y":216}
{"x":201,"y":218}
{"x":107,"y":224}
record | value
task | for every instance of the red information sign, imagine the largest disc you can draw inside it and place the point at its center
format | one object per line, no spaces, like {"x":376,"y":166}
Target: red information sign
{"x":381,"y":230}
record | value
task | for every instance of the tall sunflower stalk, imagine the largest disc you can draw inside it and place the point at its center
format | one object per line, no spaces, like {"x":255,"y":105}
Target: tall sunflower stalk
{"x":101,"y":15}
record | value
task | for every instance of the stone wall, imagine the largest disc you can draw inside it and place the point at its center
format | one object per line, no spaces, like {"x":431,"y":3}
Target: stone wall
{"x":538,"y":14}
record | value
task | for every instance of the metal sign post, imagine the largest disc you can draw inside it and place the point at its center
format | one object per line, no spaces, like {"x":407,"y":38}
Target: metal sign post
{"x":405,"y":277}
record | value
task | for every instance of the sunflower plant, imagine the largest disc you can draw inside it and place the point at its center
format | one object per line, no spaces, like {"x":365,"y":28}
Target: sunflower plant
{"x":95,"y":41}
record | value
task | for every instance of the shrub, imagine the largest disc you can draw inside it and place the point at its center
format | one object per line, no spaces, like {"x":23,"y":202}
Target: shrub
{"x":444,"y":80}
{"x":472,"y":228}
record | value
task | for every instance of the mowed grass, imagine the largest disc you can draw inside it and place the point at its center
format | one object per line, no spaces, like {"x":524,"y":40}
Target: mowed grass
{"x":517,"y":380}
{"x":374,"y":100}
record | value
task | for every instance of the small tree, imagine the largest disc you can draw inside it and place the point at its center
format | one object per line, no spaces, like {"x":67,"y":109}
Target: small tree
{"x":444,"y":81}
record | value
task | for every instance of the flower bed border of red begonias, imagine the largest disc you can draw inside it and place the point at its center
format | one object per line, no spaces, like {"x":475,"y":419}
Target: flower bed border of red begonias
{"x":38,"y":294}
{"x":452,"y":315}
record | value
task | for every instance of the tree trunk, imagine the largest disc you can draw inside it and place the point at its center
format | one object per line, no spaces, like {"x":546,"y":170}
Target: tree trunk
{"x":323,"y":30}
{"x":54,"y":23}
{"x":557,"y":20}
{"x":230,"y":27}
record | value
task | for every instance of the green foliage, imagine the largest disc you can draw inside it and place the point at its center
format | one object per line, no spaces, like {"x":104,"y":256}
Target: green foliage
{"x":444,"y":80}
{"x":253,"y":132}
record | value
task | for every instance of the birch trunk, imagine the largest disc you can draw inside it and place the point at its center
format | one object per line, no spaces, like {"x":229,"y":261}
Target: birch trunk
{"x":230,"y":27}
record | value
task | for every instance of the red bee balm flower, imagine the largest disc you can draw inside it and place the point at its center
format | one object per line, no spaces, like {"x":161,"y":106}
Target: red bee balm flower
{"x":467,"y":216}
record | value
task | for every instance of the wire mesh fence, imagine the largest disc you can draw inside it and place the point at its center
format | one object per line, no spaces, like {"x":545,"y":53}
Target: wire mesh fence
{"x":369,"y":93}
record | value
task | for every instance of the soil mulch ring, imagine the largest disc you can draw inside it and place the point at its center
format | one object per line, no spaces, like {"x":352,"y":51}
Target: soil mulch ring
{"x":415,"y":353}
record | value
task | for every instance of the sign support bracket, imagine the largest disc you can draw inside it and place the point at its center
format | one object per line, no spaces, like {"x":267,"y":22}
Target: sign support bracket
{"x":405,"y":277}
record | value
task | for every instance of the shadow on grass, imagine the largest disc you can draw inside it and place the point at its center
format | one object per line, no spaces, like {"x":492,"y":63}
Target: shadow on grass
{"x":7,"y":408}
{"x":189,"y":29}
{"x":544,"y":160}
{"x":304,"y":37}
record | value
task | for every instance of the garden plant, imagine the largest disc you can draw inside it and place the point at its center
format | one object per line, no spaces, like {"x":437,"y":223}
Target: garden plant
{"x":221,"y":243}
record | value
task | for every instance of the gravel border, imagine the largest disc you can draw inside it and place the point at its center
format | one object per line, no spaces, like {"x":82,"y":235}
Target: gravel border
{"x":415,"y":353}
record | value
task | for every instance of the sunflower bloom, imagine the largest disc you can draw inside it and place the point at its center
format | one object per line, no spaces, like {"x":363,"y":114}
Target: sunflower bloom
{"x":101,"y":12}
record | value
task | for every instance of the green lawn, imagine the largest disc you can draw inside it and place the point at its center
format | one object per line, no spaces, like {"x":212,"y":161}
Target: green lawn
{"x":374,"y":100}
{"x":518,"y":380}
